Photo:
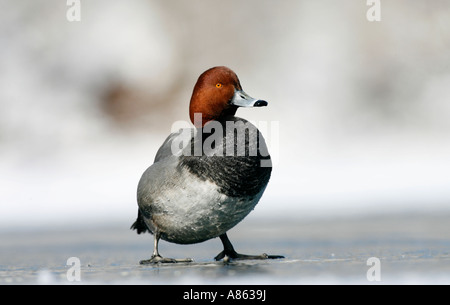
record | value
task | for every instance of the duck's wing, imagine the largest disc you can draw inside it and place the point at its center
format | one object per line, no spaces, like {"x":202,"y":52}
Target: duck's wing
{"x":174,"y":144}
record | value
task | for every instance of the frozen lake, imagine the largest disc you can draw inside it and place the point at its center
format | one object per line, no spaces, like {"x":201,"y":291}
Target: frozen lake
{"x":412,"y":249}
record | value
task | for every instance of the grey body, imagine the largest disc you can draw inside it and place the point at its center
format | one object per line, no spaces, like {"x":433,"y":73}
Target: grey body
{"x":189,"y":199}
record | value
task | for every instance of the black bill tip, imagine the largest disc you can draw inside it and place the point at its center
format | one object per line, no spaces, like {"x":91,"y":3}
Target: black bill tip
{"x":260,"y":103}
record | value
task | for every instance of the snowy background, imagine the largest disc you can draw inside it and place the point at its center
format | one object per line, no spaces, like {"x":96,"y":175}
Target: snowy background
{"x":363,"y":107}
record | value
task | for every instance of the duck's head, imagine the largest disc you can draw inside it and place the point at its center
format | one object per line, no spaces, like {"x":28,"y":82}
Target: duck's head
{"x":217,"y":94}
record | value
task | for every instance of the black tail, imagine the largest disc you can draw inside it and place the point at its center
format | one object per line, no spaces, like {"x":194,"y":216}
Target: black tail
{"x":139,"y":225}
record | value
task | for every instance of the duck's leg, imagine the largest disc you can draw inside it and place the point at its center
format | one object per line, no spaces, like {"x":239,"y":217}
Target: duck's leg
{"x":229,"y":252}
{"x":157,"y":258}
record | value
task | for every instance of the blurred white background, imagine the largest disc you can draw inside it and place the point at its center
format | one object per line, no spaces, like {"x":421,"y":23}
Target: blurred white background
{"x":363,"y":107}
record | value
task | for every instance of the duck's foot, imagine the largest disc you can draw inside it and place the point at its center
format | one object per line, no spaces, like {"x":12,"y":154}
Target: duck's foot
{"x":233,"y":255}
{"x":230,"y":254}
{"x":158,"y":259}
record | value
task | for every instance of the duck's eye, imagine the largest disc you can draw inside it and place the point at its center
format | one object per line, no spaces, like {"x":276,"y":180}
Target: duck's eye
{"x":219,"y":85}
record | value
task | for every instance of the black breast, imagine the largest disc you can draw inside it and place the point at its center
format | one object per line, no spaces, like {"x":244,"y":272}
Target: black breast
{"x":234,"y":158}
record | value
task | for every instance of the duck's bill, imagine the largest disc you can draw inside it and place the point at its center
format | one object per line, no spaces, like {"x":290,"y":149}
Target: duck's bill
{"x":242,"y":99}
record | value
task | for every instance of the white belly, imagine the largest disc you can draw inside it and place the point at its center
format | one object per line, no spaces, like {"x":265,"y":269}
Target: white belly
{"x":186,"y":209}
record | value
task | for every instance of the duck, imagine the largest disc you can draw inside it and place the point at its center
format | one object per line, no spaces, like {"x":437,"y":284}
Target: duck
{"x":206,"y":179}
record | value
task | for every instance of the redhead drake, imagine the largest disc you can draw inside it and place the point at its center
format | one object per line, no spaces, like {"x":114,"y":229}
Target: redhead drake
{"x":206,"y":179}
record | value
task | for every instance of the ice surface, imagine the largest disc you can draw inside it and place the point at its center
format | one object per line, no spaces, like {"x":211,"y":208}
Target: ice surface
{"x":413,"y":249}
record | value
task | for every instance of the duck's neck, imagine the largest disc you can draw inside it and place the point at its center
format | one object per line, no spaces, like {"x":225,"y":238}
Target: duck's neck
{"x":200,"y":119}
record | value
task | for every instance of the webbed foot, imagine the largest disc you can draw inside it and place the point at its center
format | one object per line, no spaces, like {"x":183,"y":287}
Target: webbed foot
{"x":233,"y":255}
{"x":230,"y":254}
{"x":158,"y":259}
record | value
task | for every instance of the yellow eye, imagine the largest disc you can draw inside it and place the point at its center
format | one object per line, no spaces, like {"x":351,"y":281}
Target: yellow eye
{"x":218,"y":85}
